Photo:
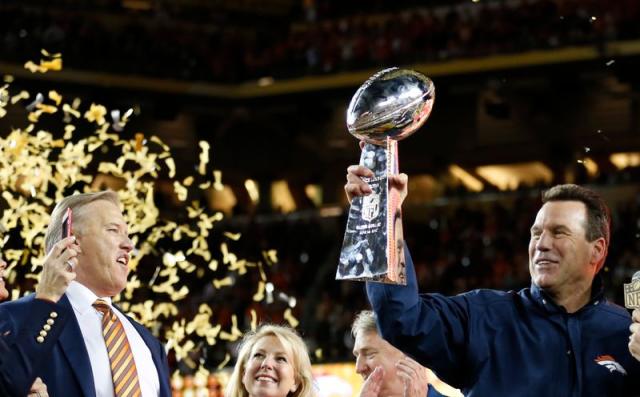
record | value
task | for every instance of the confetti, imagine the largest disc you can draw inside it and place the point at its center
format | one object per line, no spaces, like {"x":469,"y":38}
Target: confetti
{"x":38,"y":167}
{"x":259,"y":295}
{"x":224,"y":362}
{"x":54,"y":96}
{"x":204,"y":157}
{"x":217,"y":177}
{"x":96,"y":114}
{"x":290,"y":318}
{"x":233,"y":236}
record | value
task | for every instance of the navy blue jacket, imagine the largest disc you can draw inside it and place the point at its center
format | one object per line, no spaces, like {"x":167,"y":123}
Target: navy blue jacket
{"x":63,"y":364}
{"x":494,"y":343}
{"x":21,"y":354}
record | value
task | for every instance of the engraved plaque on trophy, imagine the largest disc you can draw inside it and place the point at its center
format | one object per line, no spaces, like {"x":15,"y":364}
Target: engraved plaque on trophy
{"x":388,"y":107}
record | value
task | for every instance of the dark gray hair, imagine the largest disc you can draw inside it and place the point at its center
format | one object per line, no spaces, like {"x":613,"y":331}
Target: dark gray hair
{"x":598,"y":214}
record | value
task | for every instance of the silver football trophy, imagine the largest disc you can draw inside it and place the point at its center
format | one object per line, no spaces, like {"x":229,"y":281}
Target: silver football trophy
{"x":388,"y":107}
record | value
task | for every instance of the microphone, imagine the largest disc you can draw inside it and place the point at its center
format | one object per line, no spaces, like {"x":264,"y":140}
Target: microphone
{"x":632,"y":292}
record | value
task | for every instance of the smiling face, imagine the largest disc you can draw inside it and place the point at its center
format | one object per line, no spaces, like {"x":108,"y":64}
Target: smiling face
{"x":561,"y":260}
{"x":269,"y":370}
{"x":103,"y":265}
{"x":372,"y":351}
{"x":4,"y":294}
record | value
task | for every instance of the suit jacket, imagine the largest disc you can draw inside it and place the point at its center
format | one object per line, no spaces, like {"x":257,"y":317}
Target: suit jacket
{"x":65,"y":367}
{"x":25,"y":341}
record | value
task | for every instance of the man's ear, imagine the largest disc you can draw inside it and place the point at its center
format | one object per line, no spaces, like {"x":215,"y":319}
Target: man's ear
{"x":598,"y":253}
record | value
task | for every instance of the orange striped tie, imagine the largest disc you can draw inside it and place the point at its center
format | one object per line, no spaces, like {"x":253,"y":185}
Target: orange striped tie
{"x":123,"y":367}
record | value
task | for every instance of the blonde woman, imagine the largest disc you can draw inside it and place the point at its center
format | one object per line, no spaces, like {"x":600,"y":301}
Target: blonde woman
{"x":272,"y":362}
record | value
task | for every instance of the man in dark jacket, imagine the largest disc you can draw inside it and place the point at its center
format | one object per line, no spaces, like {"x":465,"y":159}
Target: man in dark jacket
{"x":558,"y":338}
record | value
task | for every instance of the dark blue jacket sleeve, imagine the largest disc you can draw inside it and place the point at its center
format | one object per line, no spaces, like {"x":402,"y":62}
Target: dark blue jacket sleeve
{"x":21,"y":352}
{"x":431,"y":328}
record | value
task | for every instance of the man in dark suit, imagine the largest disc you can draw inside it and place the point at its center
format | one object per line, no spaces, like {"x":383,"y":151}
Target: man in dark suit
{"x":100,"y":352}
{"x":20,"y":352}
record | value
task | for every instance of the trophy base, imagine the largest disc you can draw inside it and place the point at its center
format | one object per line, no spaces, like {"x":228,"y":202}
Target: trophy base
{"x":373,"y":246}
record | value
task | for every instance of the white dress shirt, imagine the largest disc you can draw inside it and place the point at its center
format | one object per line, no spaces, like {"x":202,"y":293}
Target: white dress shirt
{"x":90,"y":321}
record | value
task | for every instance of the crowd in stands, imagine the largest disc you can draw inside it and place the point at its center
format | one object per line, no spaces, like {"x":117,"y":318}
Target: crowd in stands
{"x":320,"y":38}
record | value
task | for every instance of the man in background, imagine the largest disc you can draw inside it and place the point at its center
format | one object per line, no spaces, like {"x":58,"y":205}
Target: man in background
{"x":386,"y":370}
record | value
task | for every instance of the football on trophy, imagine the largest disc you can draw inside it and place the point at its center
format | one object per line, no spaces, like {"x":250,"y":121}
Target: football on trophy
{"x":392,"y":103}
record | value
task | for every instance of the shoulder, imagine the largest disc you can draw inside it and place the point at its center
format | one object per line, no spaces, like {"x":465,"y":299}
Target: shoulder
{"x":10,"y":305}
{"x":492,"y":305}
{"x":29,"y":307}
{"x":486,"y":297}
{"x":613,"y":312}
{"x":17,"y":306}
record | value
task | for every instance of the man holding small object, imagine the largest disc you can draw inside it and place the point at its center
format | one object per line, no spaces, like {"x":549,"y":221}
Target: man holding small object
{"x":558,"y":338}
{"x":23,"y":346}
{"x":100,"y":352}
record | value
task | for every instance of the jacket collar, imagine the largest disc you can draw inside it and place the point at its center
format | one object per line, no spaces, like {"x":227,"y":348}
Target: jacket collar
{"x":544,"y":301}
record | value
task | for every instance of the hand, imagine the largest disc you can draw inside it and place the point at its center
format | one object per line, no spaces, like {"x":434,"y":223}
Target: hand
{"x":356,"y":187}
{"x":38,"y":389}
{"x":372,"y":385}
{"x":634,"y":338}
{"x":414,"y":377}
{"x":58,"y":270}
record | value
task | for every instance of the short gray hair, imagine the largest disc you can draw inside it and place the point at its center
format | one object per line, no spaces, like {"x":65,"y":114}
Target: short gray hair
{"x":365,"y":321}
{"x":75,"y":202}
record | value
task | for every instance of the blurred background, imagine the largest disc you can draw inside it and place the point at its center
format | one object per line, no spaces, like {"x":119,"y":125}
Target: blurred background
{"x":529,"y":93}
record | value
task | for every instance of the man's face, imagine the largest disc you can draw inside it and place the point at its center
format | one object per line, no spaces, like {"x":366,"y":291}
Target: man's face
{"x":103,"y":265}
{"x":4,"y":294}
{"x":560,"y":257}
{"x":372,"y":351}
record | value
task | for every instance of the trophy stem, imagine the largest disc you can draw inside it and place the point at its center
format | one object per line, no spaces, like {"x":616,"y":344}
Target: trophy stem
{"x":373,"y":247}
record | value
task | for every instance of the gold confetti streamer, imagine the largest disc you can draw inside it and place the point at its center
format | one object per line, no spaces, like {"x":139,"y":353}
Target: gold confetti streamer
{"x":224,"y":362}
{"x":19,"y":97}
{"x":54,"y":96}
{"x":225,"y":282}
{"x":96,"y":114}
{"x":271,"y":256}
{"x":254,"y":320}
{"x":204,"y":157}
{"x":259,"y":295}
{"x":235,"y":333}
{"x":217,"y":177}
{"x":290,"y":318}
{"x":38,"y":167}
{"x":233,"y":236}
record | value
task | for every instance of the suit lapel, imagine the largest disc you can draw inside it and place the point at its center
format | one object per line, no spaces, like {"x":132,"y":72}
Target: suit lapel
{"x":75,"y":351}
{"x":156,"y":354}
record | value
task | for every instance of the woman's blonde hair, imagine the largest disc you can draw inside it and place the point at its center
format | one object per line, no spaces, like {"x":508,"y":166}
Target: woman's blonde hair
{"x":294,"y":346}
